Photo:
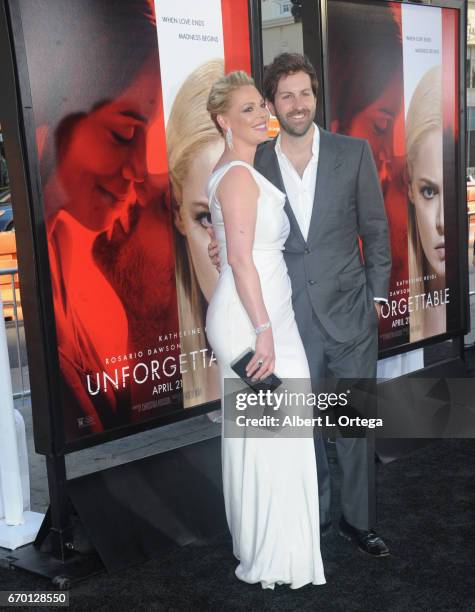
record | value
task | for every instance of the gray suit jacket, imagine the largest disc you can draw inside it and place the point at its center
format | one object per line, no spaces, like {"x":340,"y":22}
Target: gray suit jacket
{"x":327,"y":271}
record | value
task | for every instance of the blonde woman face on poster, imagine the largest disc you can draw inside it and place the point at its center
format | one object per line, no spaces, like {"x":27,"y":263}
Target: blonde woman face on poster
{"x":427,"y":196}
{"x":192,"y":217}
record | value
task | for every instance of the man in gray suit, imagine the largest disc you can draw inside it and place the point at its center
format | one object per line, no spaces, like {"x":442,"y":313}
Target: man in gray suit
{"x":333,"y":199}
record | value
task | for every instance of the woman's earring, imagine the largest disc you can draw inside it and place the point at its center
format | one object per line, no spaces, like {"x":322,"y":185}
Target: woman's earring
{"x":229,"y":138}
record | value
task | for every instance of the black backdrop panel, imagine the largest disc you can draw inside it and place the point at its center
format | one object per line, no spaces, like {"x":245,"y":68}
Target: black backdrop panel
{"x":146,"y":508}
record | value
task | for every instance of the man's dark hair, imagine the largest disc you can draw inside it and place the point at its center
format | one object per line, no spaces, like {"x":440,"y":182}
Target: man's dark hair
{"x":283,"y":65}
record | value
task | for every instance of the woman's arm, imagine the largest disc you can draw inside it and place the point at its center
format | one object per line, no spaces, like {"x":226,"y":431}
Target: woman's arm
{"x":238,"y":194}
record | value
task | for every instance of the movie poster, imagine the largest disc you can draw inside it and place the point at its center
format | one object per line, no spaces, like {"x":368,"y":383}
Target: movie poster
{"x":393,"y":80}
{"x":194,"y":147}
{"x":118,"y":89}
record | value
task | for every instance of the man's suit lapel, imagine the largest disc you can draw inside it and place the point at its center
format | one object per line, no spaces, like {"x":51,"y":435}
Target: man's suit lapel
{"x":270,"y":163}
{"x":328,"y":162}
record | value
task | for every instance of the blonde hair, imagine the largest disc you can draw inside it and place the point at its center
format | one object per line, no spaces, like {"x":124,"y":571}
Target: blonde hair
{"x":189,"y":129}
{"x":189,"y":126}
{"x":219,"y":99}
{"x":423,"y":116}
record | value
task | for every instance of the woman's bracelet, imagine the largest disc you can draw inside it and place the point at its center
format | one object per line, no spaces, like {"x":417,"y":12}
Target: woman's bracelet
{"x":262,"y":327}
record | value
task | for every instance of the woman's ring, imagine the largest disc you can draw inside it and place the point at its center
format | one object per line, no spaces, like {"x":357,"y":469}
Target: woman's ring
{"x":260,"y":362}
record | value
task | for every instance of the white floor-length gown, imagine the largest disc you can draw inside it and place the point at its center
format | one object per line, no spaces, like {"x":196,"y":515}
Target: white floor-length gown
{"x":270,"y":484}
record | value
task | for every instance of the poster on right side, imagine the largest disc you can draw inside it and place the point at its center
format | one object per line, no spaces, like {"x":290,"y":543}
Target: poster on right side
{"x":393,"y":80}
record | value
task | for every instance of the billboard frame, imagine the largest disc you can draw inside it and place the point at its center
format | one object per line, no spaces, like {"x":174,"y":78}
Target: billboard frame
{"x":33,"y":260}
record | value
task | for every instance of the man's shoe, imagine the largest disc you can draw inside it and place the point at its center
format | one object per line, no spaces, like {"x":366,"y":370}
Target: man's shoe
{"x":366,"y":540}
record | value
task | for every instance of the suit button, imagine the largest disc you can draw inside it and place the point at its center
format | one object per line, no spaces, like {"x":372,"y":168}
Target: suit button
{"x":311,"y":282}
{"x":307,"y":251}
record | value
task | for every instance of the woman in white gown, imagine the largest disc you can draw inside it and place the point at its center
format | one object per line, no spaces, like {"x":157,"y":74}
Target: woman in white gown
{"x":270,"y":482}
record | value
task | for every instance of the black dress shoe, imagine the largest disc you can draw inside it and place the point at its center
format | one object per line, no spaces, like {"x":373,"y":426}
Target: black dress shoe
{"x":366,"y":540}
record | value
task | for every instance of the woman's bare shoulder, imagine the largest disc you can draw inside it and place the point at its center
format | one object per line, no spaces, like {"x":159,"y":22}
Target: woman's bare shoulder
{"x":239,"y":180}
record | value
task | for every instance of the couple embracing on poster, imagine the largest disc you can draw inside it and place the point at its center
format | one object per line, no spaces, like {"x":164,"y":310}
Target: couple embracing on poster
{"x":288,"y":216}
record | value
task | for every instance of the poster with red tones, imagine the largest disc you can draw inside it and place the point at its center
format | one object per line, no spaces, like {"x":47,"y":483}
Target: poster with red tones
{"x":393,"y":80}
{"x":129,"y":281}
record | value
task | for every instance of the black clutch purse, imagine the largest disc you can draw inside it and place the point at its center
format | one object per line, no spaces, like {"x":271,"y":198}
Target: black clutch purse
{"x":270,"y":383}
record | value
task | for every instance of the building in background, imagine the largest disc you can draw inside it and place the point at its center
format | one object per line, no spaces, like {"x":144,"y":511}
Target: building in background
{"x":280,"y":32}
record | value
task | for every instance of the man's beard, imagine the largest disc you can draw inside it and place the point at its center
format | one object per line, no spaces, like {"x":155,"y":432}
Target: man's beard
{"x":301,"y":130}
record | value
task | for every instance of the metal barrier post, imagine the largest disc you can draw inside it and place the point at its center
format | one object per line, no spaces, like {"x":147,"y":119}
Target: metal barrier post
{"x":18,"y":348}
{"x":14,"y":304}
